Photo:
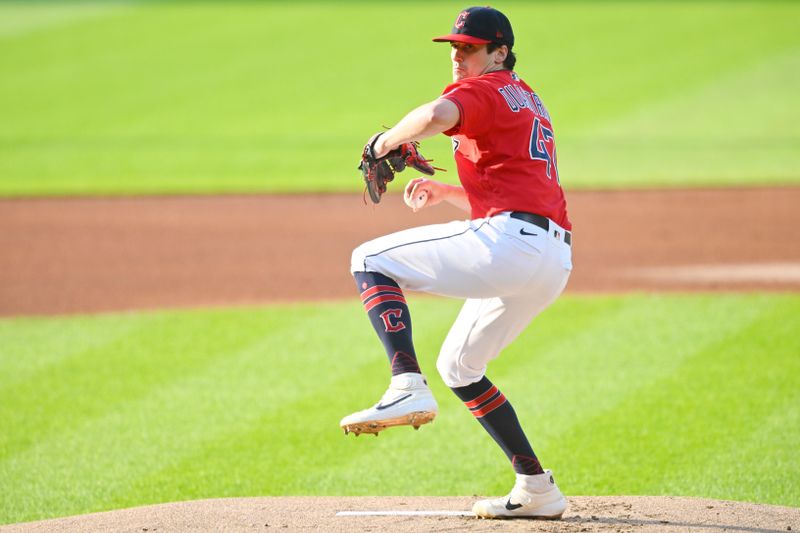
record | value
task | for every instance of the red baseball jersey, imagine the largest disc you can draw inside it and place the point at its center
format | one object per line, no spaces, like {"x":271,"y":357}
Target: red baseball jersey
{"x":504,"y":147}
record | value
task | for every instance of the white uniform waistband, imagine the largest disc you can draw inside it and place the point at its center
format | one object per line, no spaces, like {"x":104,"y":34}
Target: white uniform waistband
{"x":543,"y":222}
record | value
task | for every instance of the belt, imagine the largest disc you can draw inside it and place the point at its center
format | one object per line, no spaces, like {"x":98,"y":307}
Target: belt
{"x":542,"y":222}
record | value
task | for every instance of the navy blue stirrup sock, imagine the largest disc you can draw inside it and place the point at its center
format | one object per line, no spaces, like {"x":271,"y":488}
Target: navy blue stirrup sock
{"x":387,"y":310}
{"x":498,"y":418}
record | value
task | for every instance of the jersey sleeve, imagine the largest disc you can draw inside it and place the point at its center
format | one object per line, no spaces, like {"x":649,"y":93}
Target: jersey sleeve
{"x":476,"y":106}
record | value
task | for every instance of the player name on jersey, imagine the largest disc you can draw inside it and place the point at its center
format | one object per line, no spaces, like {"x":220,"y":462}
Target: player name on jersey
{"x":518,"y":98}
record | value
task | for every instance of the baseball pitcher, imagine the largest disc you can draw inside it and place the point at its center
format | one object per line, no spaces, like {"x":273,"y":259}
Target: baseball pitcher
{"x":508,"y":261}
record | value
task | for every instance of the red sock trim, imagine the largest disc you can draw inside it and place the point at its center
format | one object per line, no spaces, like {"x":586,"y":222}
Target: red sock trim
{"x":482,"y":398}
{"x":491,"y":406}
{"x":380,"y":288}
{"x":381,"y":299}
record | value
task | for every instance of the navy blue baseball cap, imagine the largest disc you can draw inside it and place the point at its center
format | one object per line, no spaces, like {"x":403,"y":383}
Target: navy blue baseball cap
{"x":480,"y":25}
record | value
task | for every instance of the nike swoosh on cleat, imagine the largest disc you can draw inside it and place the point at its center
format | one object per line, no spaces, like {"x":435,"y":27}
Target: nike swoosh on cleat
{"x":523,"y":232}
{"x":381,"y":407}
{"x":512,"y":506}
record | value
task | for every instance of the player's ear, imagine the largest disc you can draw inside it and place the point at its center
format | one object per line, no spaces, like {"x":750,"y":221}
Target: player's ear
{"x":501,"y":53}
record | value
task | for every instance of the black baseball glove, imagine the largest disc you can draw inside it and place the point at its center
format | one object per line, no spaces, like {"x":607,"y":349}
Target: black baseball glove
{"x":378,"y":171}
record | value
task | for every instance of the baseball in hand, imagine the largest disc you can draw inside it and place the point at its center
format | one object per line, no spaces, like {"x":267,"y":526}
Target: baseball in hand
{"x":417,"y":201}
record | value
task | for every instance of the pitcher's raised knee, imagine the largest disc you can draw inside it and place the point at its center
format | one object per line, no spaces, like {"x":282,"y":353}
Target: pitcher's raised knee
{"x":456,"y":374}
{"x":358,"y":259}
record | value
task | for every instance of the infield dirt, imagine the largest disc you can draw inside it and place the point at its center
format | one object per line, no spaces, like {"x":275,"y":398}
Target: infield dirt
{"x":102,"y":254}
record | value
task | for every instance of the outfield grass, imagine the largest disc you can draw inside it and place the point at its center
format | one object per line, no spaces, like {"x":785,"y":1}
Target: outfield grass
{"x":185,"y":97}
{"x":680,"y":395}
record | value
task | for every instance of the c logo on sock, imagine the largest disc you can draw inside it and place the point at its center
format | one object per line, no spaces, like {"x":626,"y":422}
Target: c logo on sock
{"x":387,"y":317}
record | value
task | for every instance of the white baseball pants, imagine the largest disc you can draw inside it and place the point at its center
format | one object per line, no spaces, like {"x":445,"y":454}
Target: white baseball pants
{"x":509,"y":271}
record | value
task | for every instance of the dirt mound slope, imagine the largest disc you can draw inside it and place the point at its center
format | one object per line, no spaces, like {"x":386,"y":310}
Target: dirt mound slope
{"x":585,"y":513}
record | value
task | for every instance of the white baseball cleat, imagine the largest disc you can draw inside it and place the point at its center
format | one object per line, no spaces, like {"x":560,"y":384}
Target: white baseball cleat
{"x":532,"y":497}
{"x":407,"y":402}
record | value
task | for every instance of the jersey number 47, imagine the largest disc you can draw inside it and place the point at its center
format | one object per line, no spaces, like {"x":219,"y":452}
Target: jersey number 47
{"x":543,"y":147}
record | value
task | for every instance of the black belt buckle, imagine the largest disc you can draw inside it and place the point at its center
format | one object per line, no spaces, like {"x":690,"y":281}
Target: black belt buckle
{"x":539,"y":220}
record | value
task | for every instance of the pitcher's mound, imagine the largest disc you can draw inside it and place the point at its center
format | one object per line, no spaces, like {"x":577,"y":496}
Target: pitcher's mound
{"x":585,"y":513}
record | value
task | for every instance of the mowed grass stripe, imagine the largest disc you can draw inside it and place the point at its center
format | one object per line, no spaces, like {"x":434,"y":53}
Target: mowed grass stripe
{"x":575,"y":362}
{"x":682,"y":432}
{"x":739,"y":122}
{"x":234,"y":385}
{"x":616,"y":393}
{"x":21,"y":18}
{"x":33,"y":346}
{"x":769,"y":404}
{"x":207,"y":88}
{"x":595,"y":368}
{"x":455,"y":442}
{"x":196,"y":96}
{"x":299,"y":430}
{"x":106,"y":377}
{"x":770,"y":451}
{"x":266,"y":454}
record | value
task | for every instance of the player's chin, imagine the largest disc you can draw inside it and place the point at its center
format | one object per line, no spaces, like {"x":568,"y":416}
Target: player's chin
{"x":459,"y":74}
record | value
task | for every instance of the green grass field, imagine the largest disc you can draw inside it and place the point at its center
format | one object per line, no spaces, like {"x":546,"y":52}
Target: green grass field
{"x":680,"y":395}
{"x":185,"y":97}
{"x":693,"y":395}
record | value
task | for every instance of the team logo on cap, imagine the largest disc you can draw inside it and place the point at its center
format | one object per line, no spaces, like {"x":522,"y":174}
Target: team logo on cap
{"x":461,"y":19}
